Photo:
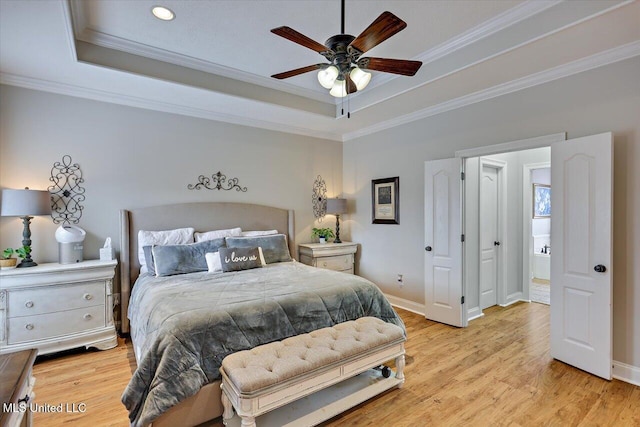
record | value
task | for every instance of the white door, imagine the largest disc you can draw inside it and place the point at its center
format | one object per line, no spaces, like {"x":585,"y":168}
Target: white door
{"x":443,"y":246}
{"x":581,"y":269}
{"x":489,"y":236}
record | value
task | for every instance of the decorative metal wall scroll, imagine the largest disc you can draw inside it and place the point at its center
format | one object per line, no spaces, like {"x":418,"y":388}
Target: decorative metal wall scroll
{"x":66,"y":192}
{"x":218,"y":181}
{"x":319,"y":198}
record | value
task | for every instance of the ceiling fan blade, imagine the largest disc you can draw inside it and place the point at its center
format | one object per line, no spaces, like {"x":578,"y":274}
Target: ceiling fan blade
{"x":386,"y":25}
{"x":297,"y":71}
{"x":350,"y":85}
{"x":395,"y":66}
{"x":296,"y":37}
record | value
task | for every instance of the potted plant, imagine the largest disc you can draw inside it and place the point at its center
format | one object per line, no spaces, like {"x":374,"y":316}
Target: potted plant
{"x":322,"y":234}
{"x":8,"y":261}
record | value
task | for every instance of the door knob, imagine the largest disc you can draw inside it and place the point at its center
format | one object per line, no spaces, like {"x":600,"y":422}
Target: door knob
{"x":600,"y":268}
{"x":496,"y":243}
{"x":428,"y":249}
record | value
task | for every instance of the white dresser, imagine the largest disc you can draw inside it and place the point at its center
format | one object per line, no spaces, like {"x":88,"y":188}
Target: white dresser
{"x":331,"y":256}
{"x":55,"y":307}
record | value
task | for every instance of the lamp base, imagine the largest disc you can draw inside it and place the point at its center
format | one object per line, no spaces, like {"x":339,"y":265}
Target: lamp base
{"x":26,"y":263}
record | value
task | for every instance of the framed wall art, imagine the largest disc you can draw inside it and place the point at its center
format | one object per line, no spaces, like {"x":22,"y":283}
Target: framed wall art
{"x":385,"y":200}
{"x":541,"y":201}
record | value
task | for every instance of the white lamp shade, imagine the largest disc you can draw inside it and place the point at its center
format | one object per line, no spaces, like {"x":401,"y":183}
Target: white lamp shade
{"x":328,"y":76}
{"x":339,"y":89}
{"x":336,"y":206}
{"x":360,"y":78}
{"x":25,"y":202}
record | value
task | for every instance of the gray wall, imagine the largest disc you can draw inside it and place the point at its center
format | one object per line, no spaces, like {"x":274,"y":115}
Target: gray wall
{"x":132,"y":158}
{"x":580,"y":105}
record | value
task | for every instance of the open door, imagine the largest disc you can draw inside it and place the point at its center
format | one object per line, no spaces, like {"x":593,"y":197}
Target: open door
{"x":581,"y":270}
{"x":443,"y":245}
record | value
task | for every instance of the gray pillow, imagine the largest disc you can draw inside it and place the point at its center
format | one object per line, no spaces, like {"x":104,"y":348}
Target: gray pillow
{"x":148,"y":259}
{"x":182,"y":259}
{"x":237,"y":259}
{"x":274,"y":248}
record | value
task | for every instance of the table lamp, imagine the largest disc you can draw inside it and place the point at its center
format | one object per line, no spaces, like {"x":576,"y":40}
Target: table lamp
{"x":25,"y":204}
{"x":337,"y":207}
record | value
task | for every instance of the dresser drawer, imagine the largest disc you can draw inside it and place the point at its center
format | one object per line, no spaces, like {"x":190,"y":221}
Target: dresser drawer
{"x":51,"y":299}
{"x":338,"y":263}
{"x":31,"y":328}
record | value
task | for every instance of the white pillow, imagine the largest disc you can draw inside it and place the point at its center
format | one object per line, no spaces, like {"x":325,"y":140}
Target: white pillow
{"x":179,"y":236}
{"x":213,"y":262}
{"x":218,"y":234}
{"x":259,"y":233}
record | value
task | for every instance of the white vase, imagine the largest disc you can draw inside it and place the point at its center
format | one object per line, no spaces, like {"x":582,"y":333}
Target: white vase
{"x":322,"y":240}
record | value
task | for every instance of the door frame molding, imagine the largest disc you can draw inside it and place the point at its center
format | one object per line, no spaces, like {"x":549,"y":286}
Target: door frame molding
{"x":527,"y":206}
{"x":501,"y":272}
{"x":505,"y":147}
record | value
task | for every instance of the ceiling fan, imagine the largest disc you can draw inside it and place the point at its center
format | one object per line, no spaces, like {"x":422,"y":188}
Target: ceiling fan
{"x":344,"y":73}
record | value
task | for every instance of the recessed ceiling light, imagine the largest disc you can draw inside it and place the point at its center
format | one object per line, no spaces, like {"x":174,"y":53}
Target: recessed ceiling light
{"x":163,"y":13}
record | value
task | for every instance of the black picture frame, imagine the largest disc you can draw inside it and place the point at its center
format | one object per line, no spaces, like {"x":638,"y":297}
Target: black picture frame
{"x":385,"y":201}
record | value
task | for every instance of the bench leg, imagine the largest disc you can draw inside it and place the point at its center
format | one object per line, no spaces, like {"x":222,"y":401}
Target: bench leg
{"x":400,"y":368}
{"x":228,"y":408}
{"x":248,"y":422}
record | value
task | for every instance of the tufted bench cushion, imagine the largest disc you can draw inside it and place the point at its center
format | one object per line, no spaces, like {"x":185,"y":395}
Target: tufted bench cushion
{"x":345,"y":349}
{"x":276,"y":362}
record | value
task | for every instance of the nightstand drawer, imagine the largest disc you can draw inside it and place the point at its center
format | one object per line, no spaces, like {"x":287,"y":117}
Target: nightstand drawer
{"x":52,"y":299}
{"x":42,"y":326}
{"x":338,"y":263}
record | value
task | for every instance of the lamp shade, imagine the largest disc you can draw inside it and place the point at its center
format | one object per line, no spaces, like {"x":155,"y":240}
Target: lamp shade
{"x":360,"y":78}
{"x":328,"y":76}
{"x":339,"y":89}
{"x":25,"y":202}
{"x":336,"y":206}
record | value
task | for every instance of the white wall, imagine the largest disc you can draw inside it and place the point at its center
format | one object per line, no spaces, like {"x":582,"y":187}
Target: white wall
{"x":580,"y":105}
{"x":132,"y":158}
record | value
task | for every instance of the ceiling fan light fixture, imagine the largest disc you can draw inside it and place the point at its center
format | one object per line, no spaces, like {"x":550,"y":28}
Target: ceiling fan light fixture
{"x":327,"y":76}
{"x":360,"y":78}
{"x":339,"y":89}
{"x":163,"y":13}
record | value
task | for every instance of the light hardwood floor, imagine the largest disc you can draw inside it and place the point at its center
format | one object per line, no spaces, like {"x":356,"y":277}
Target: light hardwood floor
{"x":495,"y":372}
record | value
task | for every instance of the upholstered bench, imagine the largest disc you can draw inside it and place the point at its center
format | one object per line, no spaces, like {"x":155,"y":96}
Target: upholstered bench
{"x":270,"y":376}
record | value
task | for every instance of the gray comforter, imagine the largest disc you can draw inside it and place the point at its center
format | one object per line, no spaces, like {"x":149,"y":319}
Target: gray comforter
{"x":183,"y":326}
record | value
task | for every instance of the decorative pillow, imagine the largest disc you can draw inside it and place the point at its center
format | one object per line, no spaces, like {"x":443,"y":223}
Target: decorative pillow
{"x":274,"y":247}
{"x":217,"y":234}
{"x":258,"y":233}
{"x":148,"y":258}
{"x":213,"y":262}
{"x":182,"y":259}
{"x":179,"y":236}
{"x":237,"y":259}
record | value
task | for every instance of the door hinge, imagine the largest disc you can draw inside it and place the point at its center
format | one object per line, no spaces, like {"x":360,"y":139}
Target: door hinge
{"x":462,"y":237}
{"x":462,"y":299}
{"x":462,"y":176}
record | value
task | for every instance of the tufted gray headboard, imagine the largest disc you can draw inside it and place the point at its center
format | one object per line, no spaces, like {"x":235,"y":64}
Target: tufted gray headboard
{"x":204,"y":216}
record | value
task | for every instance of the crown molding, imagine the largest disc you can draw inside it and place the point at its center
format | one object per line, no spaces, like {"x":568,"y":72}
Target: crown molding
{"x":76,"y":26}
{"x":167,"y":107}
{"x":498,"y":23}
{"x":601,"y":59}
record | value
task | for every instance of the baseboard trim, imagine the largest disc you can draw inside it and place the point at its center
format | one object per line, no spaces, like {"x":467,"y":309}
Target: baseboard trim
{"x":405,"y":304}
{"x":627,"y":373}
{"x":474,"y":313}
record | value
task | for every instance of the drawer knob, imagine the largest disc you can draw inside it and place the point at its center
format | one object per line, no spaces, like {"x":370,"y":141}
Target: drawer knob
{"x":29,"y":326}
{"x":87,"y":296}
{"x":28,"y":304}
{"x":87,"y":316}
{"x":324,"y":264}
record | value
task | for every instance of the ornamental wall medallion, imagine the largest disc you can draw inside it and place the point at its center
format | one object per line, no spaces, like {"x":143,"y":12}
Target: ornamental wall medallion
{"x":66,"y":192}
{"x":218,"y":181}
{"x":319,"y":198}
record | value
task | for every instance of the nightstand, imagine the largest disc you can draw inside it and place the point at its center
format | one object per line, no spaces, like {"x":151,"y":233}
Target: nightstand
{"x":332,"y":256}
{"x":54,"y":307}
{"x":16,"y":392}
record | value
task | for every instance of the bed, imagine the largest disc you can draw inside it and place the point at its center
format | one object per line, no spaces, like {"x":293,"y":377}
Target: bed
{"x":183,"y":326}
